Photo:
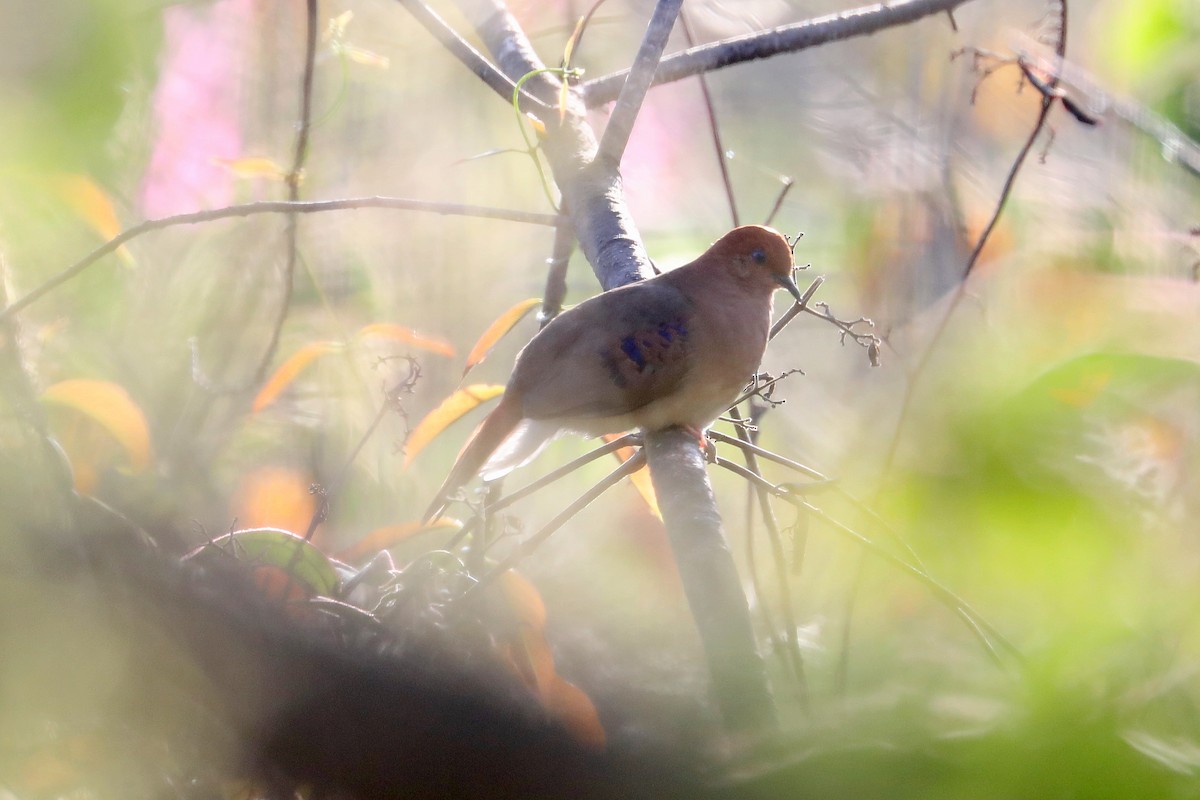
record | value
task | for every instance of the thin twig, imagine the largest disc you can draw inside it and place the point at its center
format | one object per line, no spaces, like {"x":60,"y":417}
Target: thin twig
{"x":556,"y":273}
{"x":527,"y":546}
{"x":784,"y":39}
{"x":500,"y":83}
{"x":788,"y":183}
{"x":294,"y":176}
{"x":915,"y":373}
{"x":268,"y":207}
{"x":640,"y":76}
{"x":391,"y":398}
{"x":754,"y":449}
{"x":713,"y":126}
{"x":544,"y":481}
{"x":978,"y":625}
{"x":795,"y":659}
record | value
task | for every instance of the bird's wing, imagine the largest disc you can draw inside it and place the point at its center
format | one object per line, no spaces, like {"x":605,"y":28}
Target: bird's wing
{"x":608,"y":356}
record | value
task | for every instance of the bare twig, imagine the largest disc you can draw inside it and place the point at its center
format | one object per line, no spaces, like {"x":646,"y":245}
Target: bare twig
{"x":791,"y":647}
{"x":914,"y":374}
{"x":546,"y":531}
{"x":267,"y":207}
{"x":391,"y":401}
{"x":294,"y":176}
{"x":788,"y":183}
{"x":785,"y":39}
{"x":988,"y":634}
{"x":500,"y":83}
{"x":713,"y":127}
{"x":556,"y":273}
{"x":640,"y":76}
{"x":754,"y":449}
{"x":544,"y":481}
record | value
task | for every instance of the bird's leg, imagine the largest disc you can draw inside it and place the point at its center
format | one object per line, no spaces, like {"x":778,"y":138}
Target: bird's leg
{"x":706,"y":445}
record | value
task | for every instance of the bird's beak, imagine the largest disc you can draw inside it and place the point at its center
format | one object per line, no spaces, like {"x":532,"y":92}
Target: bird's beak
{"x":786,"y":282}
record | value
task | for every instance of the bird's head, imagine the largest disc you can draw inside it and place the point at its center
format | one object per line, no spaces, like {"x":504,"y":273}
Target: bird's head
{"x":756,"y":255}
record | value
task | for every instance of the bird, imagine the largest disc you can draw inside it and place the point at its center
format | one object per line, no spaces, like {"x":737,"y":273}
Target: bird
{"x":672,"y":350}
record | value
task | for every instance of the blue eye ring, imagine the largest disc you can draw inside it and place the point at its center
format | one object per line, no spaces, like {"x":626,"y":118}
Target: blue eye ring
{"x":759,"y":255}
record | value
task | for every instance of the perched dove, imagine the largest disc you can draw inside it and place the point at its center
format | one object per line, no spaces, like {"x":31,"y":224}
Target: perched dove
{"x":675,"y":349}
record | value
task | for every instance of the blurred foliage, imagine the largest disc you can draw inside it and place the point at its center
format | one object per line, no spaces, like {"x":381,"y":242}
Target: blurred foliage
{"x":1046,"y":471}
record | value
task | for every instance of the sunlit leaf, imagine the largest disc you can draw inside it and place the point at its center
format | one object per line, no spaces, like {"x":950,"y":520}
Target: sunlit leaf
{"x":276,"y":497}
{"x":392,"y":535}
{"x":93,"y":206}
{"x":399,"y":333}
{"x":109,"y":406}
{"x":253,"y":167}
{"x":259,"y":547}
{"x":289,"y":370}
{"x":523,"y":599}
{"x":640,"y":479}
{"x":451,"y":410}
{"x":365,"y":57}
{"x":497,"y":330}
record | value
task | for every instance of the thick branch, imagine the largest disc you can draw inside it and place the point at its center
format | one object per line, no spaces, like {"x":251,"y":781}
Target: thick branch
{"x":470,"y":57}
{"x":785,"y":39}
{"x":685,"y":496}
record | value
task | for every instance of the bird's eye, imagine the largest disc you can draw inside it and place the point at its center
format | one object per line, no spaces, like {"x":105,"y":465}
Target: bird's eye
{"x":759,"y":255}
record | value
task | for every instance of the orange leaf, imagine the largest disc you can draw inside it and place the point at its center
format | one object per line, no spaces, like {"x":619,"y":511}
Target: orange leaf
{"x":496,"y":331}
{"x":275,"y":497}
{"x":288,"y":371}
{"x":111,"y":407}
{"x":531,"y":654}
{"x":576,"y":711}
{"x":451,"y":410}
{"x":253,"y":168}
{"x":524,"y":600}
{"x":640,"y":479}
{"x":392,"y":535}
{"x":387,"y":330}
{"x":93,"y":206}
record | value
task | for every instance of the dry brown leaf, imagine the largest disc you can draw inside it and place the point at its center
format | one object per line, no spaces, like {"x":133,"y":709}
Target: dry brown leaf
{"x":497,"y":330}
{"x":576,"y":711}
{"x":524,"y":600}
{"x":451,"y":410}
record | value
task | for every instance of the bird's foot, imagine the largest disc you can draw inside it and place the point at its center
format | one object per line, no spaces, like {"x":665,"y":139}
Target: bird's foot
{"x":706,"y":445}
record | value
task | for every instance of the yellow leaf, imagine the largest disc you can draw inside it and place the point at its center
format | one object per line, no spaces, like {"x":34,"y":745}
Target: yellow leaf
{"x":289,"y":370}
{"x":386,"y":330}
{"x":111,"y":407}
{"x":93,"y":206}
{"x":392,"y":535}
{"x":496,"y":331}
{"x":253,"y":168}
{"x":640,"y":479}
{"x":451,"y":410}
{"x":365,"y":57}
{"x":276,"y":497}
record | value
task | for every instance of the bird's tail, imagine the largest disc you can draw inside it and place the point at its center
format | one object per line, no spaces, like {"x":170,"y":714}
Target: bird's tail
{"x":490,"y":434}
